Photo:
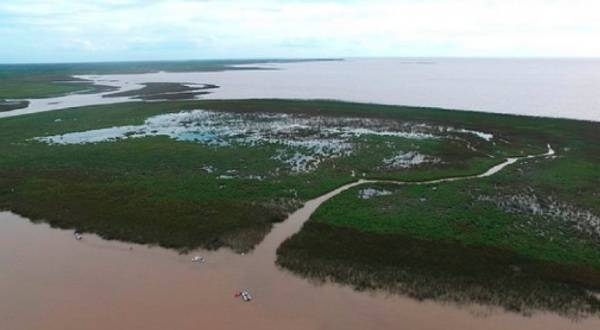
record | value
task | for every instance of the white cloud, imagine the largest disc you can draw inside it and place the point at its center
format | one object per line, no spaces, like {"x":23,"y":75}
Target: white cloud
{"x":312,"y":28}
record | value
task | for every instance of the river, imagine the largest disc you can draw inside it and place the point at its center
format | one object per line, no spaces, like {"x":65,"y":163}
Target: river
{"x":566,"y":88}
{"x":51,"y":281}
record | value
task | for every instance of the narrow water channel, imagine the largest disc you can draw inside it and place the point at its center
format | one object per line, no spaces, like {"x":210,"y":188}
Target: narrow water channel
{"x":49,"y":280}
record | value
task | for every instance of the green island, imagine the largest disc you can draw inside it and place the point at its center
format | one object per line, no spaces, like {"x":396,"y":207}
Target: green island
{"x":166,"y":91}
{"x":212,"y":174}
{"x":25,"y":81}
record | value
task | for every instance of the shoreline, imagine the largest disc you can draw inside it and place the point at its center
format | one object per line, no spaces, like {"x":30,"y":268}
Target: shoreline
{"x":315,"y":80}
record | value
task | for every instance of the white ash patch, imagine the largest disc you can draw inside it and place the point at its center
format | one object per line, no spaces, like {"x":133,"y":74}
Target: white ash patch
{"x":449,"y":129}
{"x":368,"y":193}
{"x":297,"y":161}
{"x":232,"y":176}
{"x":554,"y":212}
{"x":94,"y":136}
{"x":409,"y":159}
{"x":208,"y":168}
{"x":214,"y":127}
{"x":482,"y":135}
{"x":316,"y":138}
{"x":255,"y":177}
{"x":351,"y":132}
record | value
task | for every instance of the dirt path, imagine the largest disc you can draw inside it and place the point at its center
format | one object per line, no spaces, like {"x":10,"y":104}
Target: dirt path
{"x":49,"y":280}
{"x":266,"y":251}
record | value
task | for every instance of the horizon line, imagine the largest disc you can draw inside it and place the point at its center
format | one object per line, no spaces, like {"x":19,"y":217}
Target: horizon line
{"x":299,"y":59}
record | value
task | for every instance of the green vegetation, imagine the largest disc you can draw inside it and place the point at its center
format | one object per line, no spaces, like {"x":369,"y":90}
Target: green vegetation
{"x":20,"y":89}
{"x":156,"y":190}
{"x":68,"y":69}
{"x":524,"y":238}
{"x":166,"y":91}
{"x":22,"y":81}
{"x":439,"y":270}
{"x":40,"y":81}
{"x":12,"y":105}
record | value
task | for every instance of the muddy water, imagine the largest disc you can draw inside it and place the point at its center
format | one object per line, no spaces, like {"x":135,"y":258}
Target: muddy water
{"x":48,"y":280}
{"x":537,"y":87}
{"x":76,"y":100}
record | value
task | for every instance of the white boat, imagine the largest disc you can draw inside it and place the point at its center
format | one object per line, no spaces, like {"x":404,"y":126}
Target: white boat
{"x":246,"y":295}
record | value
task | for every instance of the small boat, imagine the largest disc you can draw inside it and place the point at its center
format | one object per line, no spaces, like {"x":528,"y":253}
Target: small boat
{"x":77,"y":236}
{"x":246,"y":295}
{"x":198,"y":259}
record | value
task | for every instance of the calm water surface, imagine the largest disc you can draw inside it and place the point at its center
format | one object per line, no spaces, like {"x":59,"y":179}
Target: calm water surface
{"x":540,"y":87}
{"x":48,"y":280}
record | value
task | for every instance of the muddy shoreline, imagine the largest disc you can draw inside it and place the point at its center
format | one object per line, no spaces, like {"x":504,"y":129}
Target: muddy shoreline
{"x":450,"y":87}
{"x":50,"y":280}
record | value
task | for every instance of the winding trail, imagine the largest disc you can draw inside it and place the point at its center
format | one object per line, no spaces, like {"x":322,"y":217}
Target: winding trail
{"x":266,"y":250}
{"x":51,"y":281}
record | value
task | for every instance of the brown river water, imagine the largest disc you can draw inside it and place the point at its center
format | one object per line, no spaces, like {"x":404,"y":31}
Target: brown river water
{"x":49,"y":280}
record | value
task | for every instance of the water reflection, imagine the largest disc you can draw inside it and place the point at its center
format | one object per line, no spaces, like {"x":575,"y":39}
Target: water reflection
{"x":440,"y":271}
{"x":551,"y":88}
{"x":50,"y":280}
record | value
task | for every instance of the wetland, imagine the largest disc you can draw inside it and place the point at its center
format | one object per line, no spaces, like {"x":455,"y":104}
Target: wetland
{"x":401,"y":212}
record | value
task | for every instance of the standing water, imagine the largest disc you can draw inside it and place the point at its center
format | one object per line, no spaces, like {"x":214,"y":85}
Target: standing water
{"x":566,"y":88}
{"x":49,"y":280}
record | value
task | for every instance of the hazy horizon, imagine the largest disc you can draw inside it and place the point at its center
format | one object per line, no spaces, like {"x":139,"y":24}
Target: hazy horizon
{"x":61,"y":31}
{"x":252,"y":60}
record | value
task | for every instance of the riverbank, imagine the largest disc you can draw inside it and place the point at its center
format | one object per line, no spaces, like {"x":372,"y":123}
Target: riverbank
{"x":560,"y":88}
{"x":212,"y":174}
{"x":97,"y":284}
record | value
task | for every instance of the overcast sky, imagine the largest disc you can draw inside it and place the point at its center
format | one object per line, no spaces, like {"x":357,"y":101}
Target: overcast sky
{"x":79,"y":30}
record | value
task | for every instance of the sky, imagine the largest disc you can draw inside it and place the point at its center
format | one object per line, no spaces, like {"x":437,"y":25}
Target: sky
{"x":124,"y":30}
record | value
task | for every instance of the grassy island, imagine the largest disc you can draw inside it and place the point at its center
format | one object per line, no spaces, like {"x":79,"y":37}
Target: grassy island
{"x":189,"y":174}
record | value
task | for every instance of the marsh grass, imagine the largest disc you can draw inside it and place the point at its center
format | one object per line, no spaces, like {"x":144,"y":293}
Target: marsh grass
{"x":447,"y":271}
{"x":12,"y":105}
{"x":444,"y":242}
{"x":156,"y":190}
{"x":165,"y":91}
